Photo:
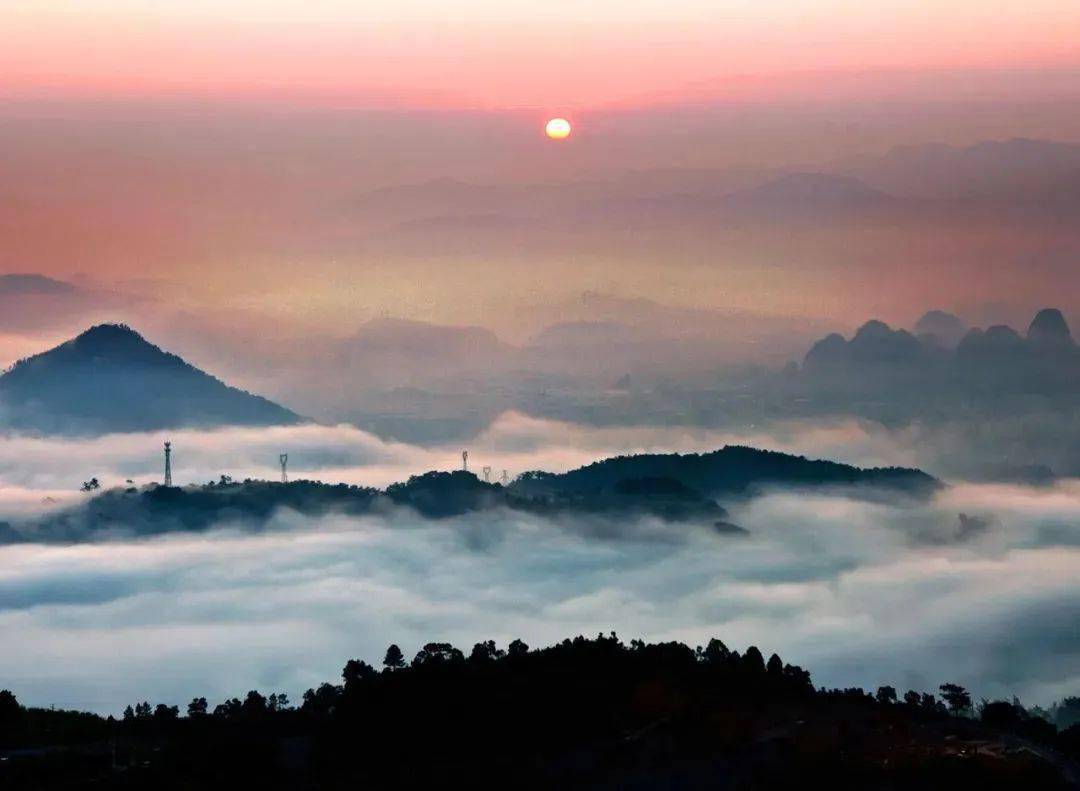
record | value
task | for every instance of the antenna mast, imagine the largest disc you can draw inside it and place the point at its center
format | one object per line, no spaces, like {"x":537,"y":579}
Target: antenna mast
{"x":487,"y":474}
{"x":283,"y":459}
{"x":168,"y":464}
{"x":465,"y":460}
{"x":505,"y":479}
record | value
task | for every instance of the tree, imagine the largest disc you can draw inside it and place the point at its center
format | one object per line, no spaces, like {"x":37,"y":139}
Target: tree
{"x":1002,"y":714}
{"x":437,"y":654}
{"x":485,"y":652}
{"x":280,"y":701}
{"x":775,"y":666}
{"x":322,"y":700}
{"x":254,"y":704}
{"x":228,"y":709}
{"x":1067,"y":713}
{"x":912,"y":698}
{"x":886,"y":694}
{"x":517,"y":648}
{"x":10,"y":710}
{"x":394,"y":659}
{"x":355,"y":672}
{"x":957,"y":698}
{"x":91,"y":485}
{"x":753,"y":660}
{"x":716,"y":653}
{"x":197,"y":707}
{"x":163,"y":713}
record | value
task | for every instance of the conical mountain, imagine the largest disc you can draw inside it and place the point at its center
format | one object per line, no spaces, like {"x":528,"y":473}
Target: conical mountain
{"x":1049,"y":326}
{"x":110,"y":379}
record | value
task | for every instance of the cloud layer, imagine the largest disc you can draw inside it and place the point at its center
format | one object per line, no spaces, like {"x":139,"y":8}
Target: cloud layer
{"x":861,"y":593}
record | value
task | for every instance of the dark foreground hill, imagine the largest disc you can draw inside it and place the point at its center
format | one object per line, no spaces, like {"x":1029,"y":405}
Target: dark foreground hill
{"x":110,"y":379}
{"x":669,"y":487}
{"x":596,"y":714}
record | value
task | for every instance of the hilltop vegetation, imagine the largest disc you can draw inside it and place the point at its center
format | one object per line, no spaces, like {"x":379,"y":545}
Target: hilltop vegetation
{"x":580,"y":714}
{"x":668,"y":487}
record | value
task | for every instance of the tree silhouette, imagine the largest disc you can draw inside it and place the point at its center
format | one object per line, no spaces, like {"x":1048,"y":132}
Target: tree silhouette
{"x":91,"y":485}
{"x":485,"y":652}
{"x":886,"y":694}
{"x":957,"y":698}
{"x":753,"y":661}
{"x":355,"y":672}
{"x":775,"y":666}
{"x":394,"y":659}
{"x":437,"y":654}
{"x":197,"y":707}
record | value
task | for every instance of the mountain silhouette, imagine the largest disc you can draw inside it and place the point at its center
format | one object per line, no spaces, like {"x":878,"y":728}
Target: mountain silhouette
{"x":733,"y":471}
{"x":809,"y":192}
{"x":1049,"y":326}
{"x":943,"y":328}
{"x":110,"y":379}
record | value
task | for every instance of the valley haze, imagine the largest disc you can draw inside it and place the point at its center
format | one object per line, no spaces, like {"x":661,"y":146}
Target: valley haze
{"x":356,"y":433}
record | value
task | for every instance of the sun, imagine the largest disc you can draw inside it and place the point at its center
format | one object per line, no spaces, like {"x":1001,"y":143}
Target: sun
{"x":557,"y":129}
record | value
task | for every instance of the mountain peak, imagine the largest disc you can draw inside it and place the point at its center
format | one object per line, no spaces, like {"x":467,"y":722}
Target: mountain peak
{"x":109,"y":379}
{"x":1049,"y":325}
{"x":24,"y":284}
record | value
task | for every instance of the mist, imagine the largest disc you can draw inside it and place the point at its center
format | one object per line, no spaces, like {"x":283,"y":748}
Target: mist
{"x":861,"y":593}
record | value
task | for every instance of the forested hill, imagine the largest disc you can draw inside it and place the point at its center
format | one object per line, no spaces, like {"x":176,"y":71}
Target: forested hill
{"x":732,"y":471}
{"x":670,"y":487}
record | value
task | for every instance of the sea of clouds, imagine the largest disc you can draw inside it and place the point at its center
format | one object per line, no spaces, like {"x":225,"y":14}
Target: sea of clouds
{"x":859,"y":592}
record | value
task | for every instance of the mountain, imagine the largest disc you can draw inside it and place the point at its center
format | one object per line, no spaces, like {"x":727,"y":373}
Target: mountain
{"x":808,"y":195}
{"x":874,"y":344}
{"x":1049,"y":327}
{"x":30,"y":283}
{"x":1016,"y":169}
{"x":732,"y":471}
{"x":940,"y":327}
{"x":31,"y":303}
{"x":110,"y":379}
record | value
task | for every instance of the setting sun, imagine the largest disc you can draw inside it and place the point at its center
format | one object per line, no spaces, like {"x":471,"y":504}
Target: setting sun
{"x":558,"y":129}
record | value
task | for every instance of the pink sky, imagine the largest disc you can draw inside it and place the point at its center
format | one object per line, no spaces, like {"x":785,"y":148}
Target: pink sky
{"x":509,"y":53}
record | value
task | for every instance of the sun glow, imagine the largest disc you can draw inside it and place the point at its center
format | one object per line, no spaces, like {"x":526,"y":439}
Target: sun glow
{"x":557,"y":129}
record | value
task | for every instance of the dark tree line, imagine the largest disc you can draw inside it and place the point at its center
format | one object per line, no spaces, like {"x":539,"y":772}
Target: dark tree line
{"x":582,"y":713}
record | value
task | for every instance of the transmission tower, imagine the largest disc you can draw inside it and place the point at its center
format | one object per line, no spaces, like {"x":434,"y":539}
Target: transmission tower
{"x":284,"y":460}
{"x":505,"y":479}
{"x":487,"y":474}
{"x":168,"y":464}
{"x":465,"y":460}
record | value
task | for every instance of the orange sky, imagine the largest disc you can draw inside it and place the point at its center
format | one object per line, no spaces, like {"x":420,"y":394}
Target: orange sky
{"x":508,"y":53}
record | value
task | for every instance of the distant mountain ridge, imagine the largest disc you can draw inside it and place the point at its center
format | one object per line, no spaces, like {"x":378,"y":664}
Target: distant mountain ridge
{"x":110,"y":379}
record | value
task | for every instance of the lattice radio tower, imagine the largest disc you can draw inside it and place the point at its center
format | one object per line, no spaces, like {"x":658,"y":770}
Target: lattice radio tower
{"x":505,"y":478}
{"x":465,"y":460}
{"x":487,"y":474}
{"x":168,"y":464}
{"x":283,"y":459}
